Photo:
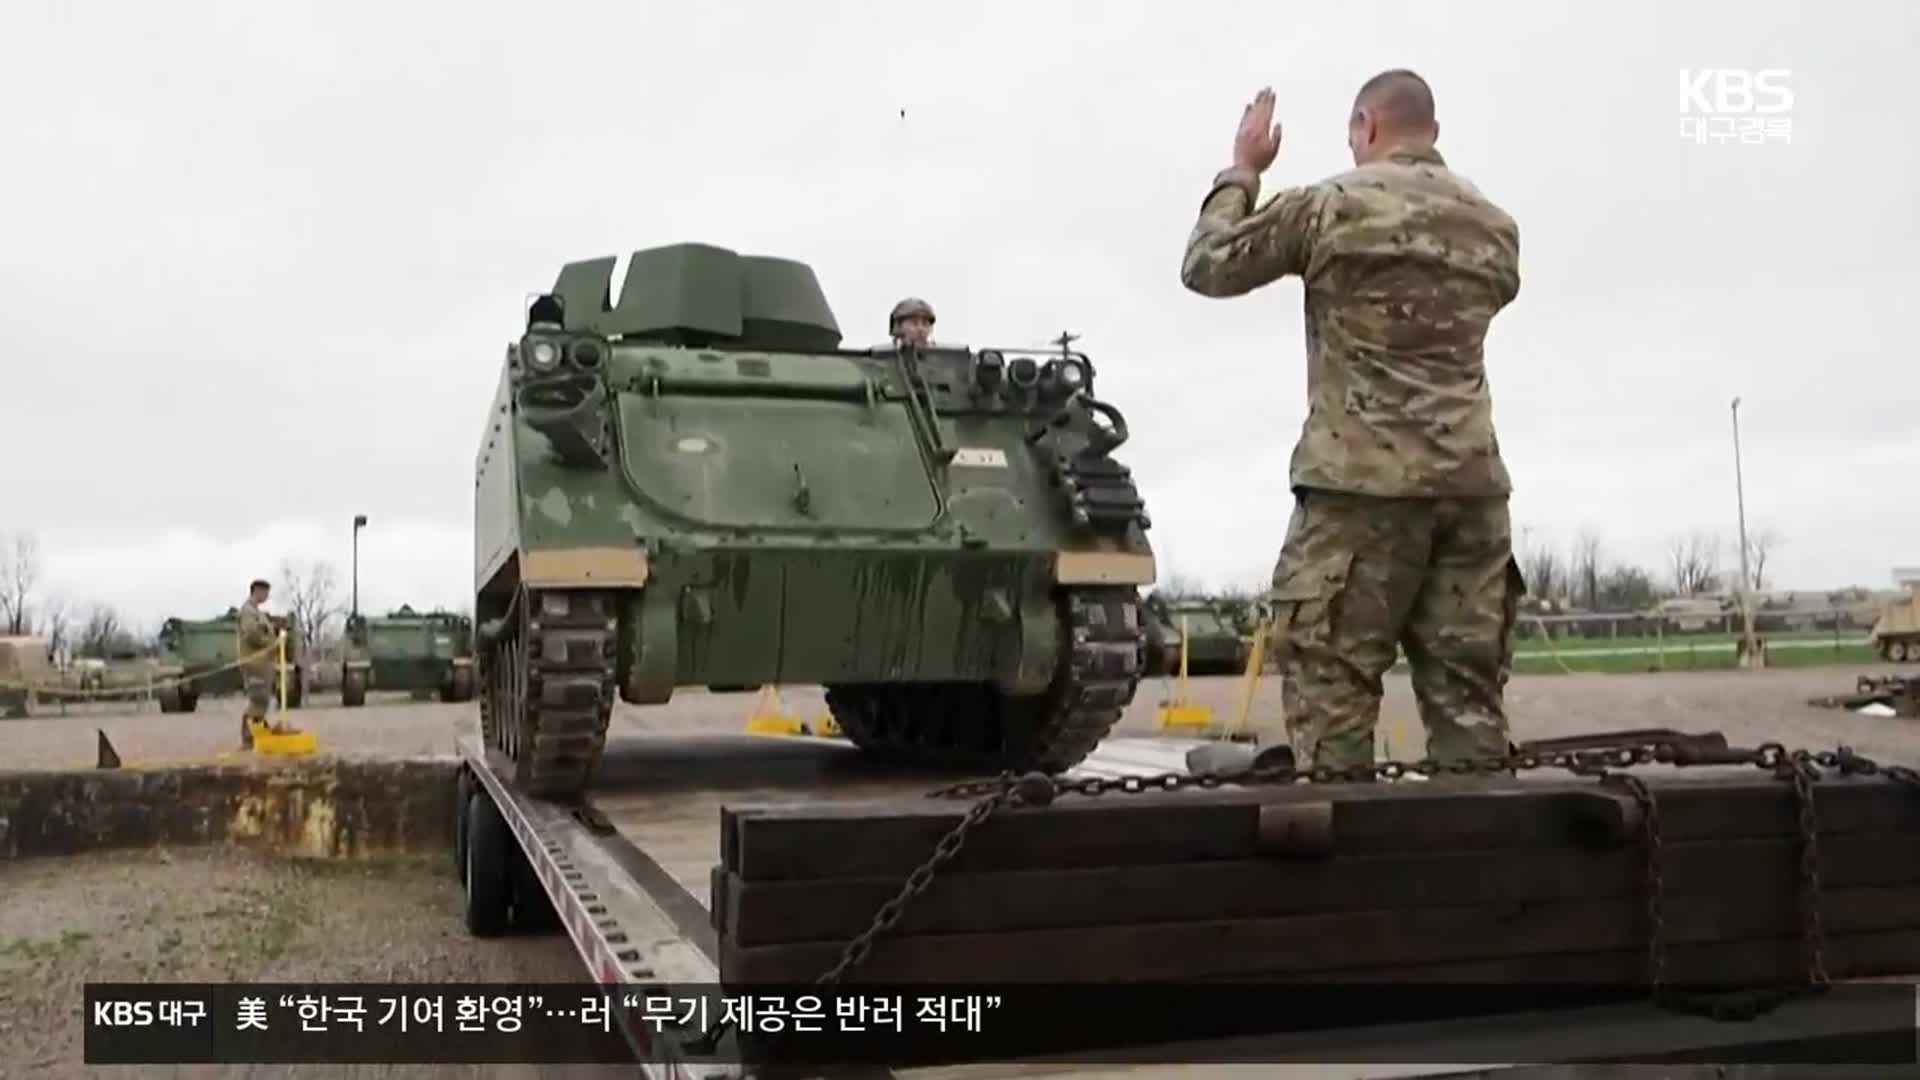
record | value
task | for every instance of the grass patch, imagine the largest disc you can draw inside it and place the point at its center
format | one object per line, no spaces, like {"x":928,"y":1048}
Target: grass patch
{"x":31,"y":958}
{"x":1678,"y":652}
{"x":1685,"y":656}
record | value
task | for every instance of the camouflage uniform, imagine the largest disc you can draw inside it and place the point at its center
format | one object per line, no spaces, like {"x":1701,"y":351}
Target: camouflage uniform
{"x":256,"y":633}
{"x":1399,"y":534}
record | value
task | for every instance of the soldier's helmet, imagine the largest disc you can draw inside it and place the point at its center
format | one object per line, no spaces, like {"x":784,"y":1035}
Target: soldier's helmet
{"x":909,"y":308}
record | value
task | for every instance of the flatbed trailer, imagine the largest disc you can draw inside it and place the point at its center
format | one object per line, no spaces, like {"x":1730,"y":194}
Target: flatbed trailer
{"x":626,"y":874}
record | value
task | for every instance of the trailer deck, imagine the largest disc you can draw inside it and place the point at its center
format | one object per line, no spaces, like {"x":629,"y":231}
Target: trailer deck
{"x":628,"y":873}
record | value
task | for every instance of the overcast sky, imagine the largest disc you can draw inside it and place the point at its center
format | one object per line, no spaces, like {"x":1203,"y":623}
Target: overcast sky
{"x":260,"y":261}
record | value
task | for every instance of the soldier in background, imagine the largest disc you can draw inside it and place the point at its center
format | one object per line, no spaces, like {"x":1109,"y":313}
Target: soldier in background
{"x":257,"y":633}
{"x":1399,"y":533}
{"x":911,"y":322}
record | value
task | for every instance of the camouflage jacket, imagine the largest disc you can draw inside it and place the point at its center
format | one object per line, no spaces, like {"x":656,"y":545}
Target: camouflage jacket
{"x":256,"y":633}
{"x":1405,"y":264}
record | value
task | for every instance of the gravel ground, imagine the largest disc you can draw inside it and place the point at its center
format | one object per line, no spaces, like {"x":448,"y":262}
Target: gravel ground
{"x":214,"y":915}
{"x":1747,"y":706}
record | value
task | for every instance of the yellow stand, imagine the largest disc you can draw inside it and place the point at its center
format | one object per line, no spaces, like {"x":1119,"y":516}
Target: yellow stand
{"x":1181,"y":713}
{"x":290,"y":743}
{"x":1249,"y":680}
{"x":770,"y":717}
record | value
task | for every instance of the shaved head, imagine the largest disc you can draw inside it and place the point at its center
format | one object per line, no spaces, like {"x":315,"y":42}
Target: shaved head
{"x":1392,"y":108}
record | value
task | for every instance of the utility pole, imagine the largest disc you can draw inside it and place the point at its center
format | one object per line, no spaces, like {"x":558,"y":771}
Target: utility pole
{"x":359,"y":522}
{"x":1065,"y":339}
{"x":1740,"y":495}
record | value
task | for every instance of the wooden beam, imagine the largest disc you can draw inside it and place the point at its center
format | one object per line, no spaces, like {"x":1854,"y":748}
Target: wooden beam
{"x":779,"y":912}
{"x":890,"y":838}
{"x":1313,"y":945}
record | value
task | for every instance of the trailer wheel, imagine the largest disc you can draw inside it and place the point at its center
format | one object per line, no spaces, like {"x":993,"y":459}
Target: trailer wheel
{"x":458,"y":687}
{"x":353,"y":691}
{"x":489,"y":854}
{"x":533,"y":911}
{"x":462,"y":794}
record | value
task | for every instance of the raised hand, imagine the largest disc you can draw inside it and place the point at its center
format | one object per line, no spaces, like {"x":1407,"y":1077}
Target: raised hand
{"x":1257,"y":142}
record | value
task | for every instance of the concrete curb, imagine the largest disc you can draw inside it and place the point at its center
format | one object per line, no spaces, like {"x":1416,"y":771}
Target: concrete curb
{"x":334,"y":808}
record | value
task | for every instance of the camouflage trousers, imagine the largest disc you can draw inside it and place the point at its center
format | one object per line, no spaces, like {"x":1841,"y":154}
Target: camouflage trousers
{"x":1361,"y":575}
{"x":259,"y":690}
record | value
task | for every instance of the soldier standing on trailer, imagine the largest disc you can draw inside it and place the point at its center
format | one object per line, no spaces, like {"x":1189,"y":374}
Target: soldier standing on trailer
{"x":257,"y":672}
{"x":1399,"y":534}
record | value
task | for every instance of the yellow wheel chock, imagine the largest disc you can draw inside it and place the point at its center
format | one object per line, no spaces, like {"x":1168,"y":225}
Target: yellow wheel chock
{"x":1180,"y":712}
{"x":770,"y":716}
{"x":292,"y":742}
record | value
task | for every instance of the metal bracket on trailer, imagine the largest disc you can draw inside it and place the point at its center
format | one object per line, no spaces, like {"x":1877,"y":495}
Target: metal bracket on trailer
{"x":625,"y":938}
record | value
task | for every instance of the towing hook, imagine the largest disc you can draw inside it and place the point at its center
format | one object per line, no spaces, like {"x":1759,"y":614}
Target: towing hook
{"x":802,"y":495}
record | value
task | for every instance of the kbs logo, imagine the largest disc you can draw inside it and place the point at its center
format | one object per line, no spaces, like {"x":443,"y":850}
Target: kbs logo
{"x":1729,"y":104}
{"x":123,"y":1013}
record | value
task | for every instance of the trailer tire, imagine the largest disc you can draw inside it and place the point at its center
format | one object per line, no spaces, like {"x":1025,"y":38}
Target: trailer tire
{"x":353,"y":691}
{"x":533,"y":911}
{"x":463,"y":793}
{"x":489,"y":855}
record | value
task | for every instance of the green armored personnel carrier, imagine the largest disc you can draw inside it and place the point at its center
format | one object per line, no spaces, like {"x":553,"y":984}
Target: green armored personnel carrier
{"x":699,"y":486}
{"x":424,"y":653}
{"x":1217,"y":642}
{"x":202,"y":653}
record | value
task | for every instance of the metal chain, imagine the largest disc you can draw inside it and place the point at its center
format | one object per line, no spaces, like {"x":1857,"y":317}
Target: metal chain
{"x":1803,"y":774}
{"x":1656,"y":887}
{"x":1798,"y":766}
{"x":1584,"y":762}
{"x":1006,"y":790}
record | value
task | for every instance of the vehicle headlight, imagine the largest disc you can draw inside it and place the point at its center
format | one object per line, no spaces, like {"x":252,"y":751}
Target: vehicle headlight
{"x":543,"y":356}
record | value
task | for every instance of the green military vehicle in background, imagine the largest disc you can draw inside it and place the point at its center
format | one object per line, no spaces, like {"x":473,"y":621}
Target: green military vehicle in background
{"x":197,"y":657}
{"x":420,"y":652}
{"x":699,"y":486}
{"x":1218,"y":641}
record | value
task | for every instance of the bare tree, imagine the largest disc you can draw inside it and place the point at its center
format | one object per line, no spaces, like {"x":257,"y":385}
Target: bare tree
{"x":311,"y":604}
{"x":101,"y":634}
{"x":1585,"y":567}
{"x":1760,"y":545}
{"x":19,"y":573}
{"x":1694,"y":561}
{"x":1541,"y":565}
{"x":1627,"y":588}
{"x":1177,"y":586}
{"x":56,"y":625}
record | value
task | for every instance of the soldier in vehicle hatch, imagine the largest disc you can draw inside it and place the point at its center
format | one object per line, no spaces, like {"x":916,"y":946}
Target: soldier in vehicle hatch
{"x":1399,"y":534}
{"x":911,"y":322}
{"x":257,"y":633}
